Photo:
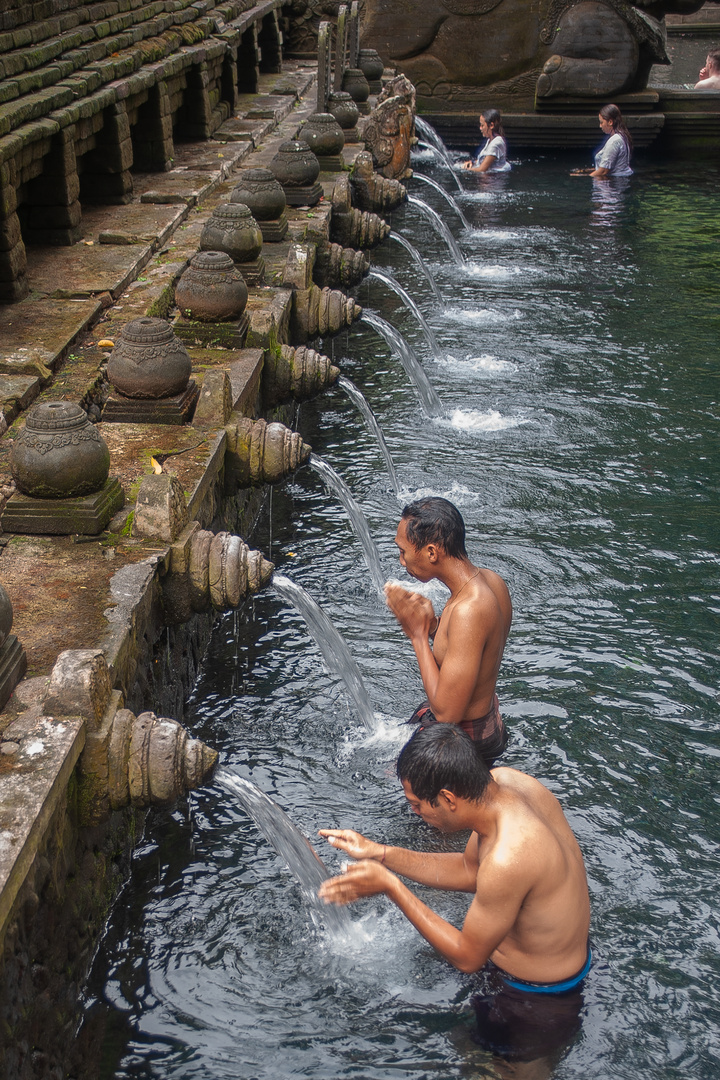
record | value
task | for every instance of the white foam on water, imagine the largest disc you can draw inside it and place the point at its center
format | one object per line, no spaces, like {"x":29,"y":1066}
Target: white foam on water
{"x":486,"y":362}
{"x":423,"y":155}
{"x":498,"y":273}
{"x":457,"y":493}
{"x":481,"y":315}
{"x":494,"y":234}
{"x":474,"y":420}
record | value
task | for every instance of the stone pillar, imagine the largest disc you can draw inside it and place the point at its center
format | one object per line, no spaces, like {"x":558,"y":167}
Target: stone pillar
{"x":13,"y":260}
{"x":197,"y":107}
{"x":324,"y":66}
{"x":270,"y":43}
{"x":248,"y":62}
{"x":340,"y":48}
{"x":152,"y":136}
{"x":105,"y":173}
{"x":229,"y":79}
{"x":51,"y":207}
{"x":353,"y":34}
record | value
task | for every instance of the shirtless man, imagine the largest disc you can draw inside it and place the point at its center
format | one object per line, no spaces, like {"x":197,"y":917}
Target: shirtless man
{"x":527,"y":926}
{"x":710,"y":74}
{"x":460,"y":671}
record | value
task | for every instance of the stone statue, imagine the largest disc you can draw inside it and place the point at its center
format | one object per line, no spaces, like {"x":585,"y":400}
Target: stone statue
{"x":505,"y":52}
{"x":388,"y":134}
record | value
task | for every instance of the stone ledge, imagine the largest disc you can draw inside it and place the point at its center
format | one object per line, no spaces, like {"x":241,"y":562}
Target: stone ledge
{"x":29,"y":794}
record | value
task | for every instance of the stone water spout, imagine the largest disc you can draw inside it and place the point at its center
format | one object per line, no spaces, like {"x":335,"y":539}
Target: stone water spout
{"x":340,"y":266}
{"x":210,"y":571}
{"x":370,"y":191}
{"x":297,"y":373}
{"x":152,"y":760}
{"x":260,"y":453}
{"x":317,"y":312}
{"x":126,"y":760}
{"x":351,"y":227}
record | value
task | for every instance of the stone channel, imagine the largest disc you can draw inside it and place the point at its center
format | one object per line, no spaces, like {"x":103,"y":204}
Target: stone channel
{"x":111,"y":618}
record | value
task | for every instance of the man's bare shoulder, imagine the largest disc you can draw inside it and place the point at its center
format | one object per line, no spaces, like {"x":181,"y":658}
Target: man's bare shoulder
{"x":526,"y":797}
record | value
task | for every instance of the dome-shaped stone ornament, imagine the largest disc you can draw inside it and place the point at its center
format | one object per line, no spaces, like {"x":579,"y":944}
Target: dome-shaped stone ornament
{"x":263,"y":194}
{"x":346,"y":112}
{"x":322,"y":133}
{"x":60,"y":464}
{"x":232,"y":228}
{"x":59,"y":453}
{"x":371,"y":64}
{"x":211,"y":289}
{"x":13,"y":662}
{"x":150,"y":372}
{"x":297,"y":169}
{"x":356,"y":85}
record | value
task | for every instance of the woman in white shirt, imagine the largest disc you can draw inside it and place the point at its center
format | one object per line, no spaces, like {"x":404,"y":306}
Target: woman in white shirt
{"x":613,"y":157}
{"x":492,"y":156}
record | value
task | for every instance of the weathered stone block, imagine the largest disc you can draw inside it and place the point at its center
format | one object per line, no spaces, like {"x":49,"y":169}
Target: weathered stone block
{"x":161,"y":509}
{"x":215,"y":401}
{"x":79,"y":686}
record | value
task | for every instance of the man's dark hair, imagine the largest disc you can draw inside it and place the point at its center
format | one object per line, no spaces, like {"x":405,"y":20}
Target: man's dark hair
{"x":435,"y":521}
{"x":442,"y":756}
{"x":714,"y":58}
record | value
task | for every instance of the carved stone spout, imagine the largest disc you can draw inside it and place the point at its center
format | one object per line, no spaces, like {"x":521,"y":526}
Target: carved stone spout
{"x":339,"y":266}
{"x":297,"y":373}
{"x":211,"y":571}
{"x":317,"y":312}
{"x":152,"y":760}
{"x":261,"y":453}
{"x":351,"y":227}
{"x":370,"y":191}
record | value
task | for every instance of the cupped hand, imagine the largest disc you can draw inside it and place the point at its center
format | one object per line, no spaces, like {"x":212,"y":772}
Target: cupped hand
{"x":365,"y":878}
{"x":352,"y":843}
{"x":413,"y":611}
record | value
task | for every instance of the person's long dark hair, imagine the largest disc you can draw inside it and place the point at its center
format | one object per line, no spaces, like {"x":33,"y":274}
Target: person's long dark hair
{"x":492,"y":118}
{"x":613,"y":114}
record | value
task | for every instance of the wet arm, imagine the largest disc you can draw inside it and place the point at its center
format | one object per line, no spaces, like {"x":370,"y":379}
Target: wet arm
{"x":450,"y":688}
{"x":453,"y":871}
{"x":486,"y":925}
{"x":485,"y":165}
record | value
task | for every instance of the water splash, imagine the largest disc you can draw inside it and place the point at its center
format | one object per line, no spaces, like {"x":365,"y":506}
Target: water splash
{"x":335,"y":483}
{"x":396,"y":287}
{"x":440,"y":227}
{"x":293,"y":848}
{"x":431,"y":136}
{"x":431,"y":404}
{"x":445,"y":194}
{"x":479,"y":363}
{"x":334,"y":650}
{"x":373,"y":426}
{"x":419,"y":262}
{"x":444,"y":160}
{"x":492,"y":420}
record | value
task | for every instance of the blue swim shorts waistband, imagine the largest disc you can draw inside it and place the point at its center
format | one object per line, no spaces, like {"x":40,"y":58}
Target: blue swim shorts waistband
{"x":548,"y":988}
